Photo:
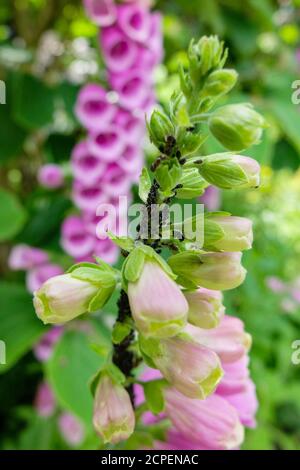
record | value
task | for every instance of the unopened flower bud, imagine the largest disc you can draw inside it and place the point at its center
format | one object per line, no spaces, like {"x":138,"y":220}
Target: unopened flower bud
{"x":217,"y":271}
{"x":235,"y":233}
{"x":205,"y":56}
{"x":191,"y":368}
{"x":237,"y":126}
{"x":205,"y":307}
{"x":168,"y":175}
{"x":191,"y":184}
{"x":62,"y":298}
{"x":230,"y":171}
{"x":113,"y":416}
{"x":220,"y":82}
{"x":158,"y":306}
{"x":160,"y":127}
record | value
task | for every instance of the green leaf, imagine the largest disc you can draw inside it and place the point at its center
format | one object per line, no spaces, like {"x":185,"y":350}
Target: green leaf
{"x":33,"y":103}
{"x":13,"y":215}
{"x":287,"y":115}
{"x":120,"y":332}
{"x":134,"y":265}
{"x":20,"y":328}
{"x":11,"y":135}
{"x":69,"y":372}
{"x":154,"y":395}
{"x":100,"y":298}
{"x":145,"y":185}
{"x":125,"y":243}
{"x":212,"y":232}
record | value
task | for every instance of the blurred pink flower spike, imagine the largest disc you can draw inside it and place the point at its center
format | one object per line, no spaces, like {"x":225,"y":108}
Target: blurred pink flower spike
{"x":71,"y":429}
{"x":135,"y":21}
{"x":23,"y":257}
{"x":76,"y":240}
{"x":36,"y":277}
{"x":44,"y":401}
{"x":119,"y":51}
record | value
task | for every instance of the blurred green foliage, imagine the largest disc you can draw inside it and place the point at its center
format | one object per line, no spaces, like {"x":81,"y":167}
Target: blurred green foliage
{"x":47,"y":49}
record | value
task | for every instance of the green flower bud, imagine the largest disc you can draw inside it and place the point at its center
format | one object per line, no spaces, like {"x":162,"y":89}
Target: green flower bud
{"x":85,"y":289}
{"x":230,"y":171}
{"x":206,"y":56}
{"x":220,"y":82}
{"x":192,"y":183}
{"x":160,"y":127}
{"x":235,"y":233}
{"x":168,"y":175}
{"x":237,"y":126}
{"x":216,"y":271}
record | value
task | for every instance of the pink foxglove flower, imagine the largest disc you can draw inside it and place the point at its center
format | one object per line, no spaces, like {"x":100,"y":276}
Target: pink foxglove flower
{"x":51,"y":176}
{"x":102,"y":12}
{"x":212,"y":423}
{"x":158,"y":306}
{"x":229,"y":340}
{"x":44,"y":348}
{"x":135,"y":22}
{"x":119,"y":51}
{"x":205,"y":307}
{"x":108,"y":143}
{"x":192,"y":369}
{"x":76,"y":241}
{"x":71,"y":429}
{"x":44,"y":401}
{"x":93,"y":109}
{"x":113,"y":417}
{"x":63,"y":298}
{"x":87,"y":168}
{"x":23,"y":257}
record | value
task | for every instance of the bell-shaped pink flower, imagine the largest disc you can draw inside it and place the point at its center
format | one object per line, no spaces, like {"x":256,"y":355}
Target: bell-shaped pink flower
{"x":102,"y":12}
{"x":212,"y":423}
{"x":87,"y":167}
{"x":36,"y":277}
{"x":134,"y":128}
{"x":120,"y":52}
{"x":44,"y":401}
{"x":132,"y":159}
{"x":246,"y":404}
{"x":23,"y":257}
{"x":88,"y":198}
{"x":106,"y":250}
{"x":71,"y":429}
{"x":135,"y":22}
{"x":235,"y":376}
{"x":192,"y":369}
{"x":133,"y":88}
{"x":229,"y":340}
{"x":156,"y":34}
{"x":205,"y":307}
{"x":51,"y":176}
{"x":113,"y":416}
{"x":76,"y":241}
{"x":108,"y":143}
{"x":115,"y":181}
{"x":44,"y":348}
{"x":158,"y":306}
{"x":93,"y":109}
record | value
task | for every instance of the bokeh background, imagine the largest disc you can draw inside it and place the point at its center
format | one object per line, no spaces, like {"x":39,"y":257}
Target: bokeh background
{"x":48,"y":49}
